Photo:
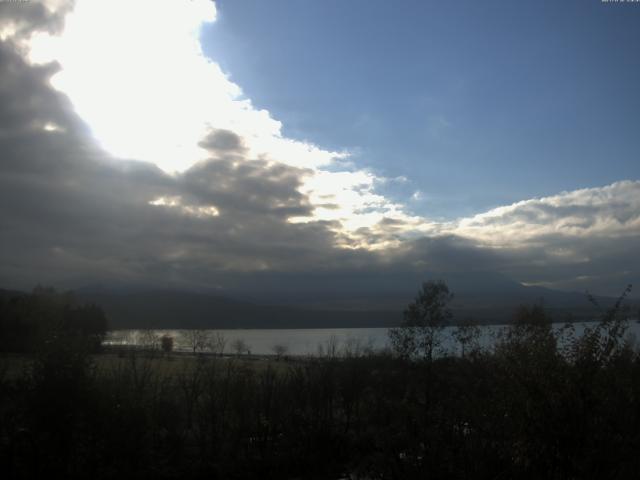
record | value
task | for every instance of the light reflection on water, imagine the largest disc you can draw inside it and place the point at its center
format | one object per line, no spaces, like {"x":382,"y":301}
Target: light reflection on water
{"x":313,"y":341}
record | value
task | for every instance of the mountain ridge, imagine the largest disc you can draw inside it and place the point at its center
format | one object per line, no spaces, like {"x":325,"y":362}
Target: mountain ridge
{"x":479,"y":296}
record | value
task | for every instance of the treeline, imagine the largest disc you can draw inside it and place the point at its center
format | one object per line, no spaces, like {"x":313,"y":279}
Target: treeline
{"x":540,"y":403}
{"x":29,"y":321}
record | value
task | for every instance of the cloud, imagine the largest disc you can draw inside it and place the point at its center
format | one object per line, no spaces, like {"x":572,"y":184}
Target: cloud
{"x":160,"y":97}
{"x":251,"y":208}
{"x":72,"y":213}
{"x":20,"y":22}
{"x":613,"y":211}
{"x":565,"y":239}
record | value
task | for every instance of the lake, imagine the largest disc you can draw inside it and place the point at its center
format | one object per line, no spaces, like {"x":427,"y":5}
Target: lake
{"x":313,"y":341}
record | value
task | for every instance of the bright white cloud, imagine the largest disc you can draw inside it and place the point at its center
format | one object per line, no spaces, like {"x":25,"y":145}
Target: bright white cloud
{"x":177,"y":203}
{"x":610,"y":211}
{"x":136,"y":73}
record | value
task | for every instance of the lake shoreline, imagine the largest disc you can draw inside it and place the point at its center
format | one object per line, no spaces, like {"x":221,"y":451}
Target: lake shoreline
{"x":303,"y":342}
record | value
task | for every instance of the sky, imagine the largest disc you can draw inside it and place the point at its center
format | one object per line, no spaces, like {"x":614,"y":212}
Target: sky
{"x":474,"y":102}
{"x":232,"y":145}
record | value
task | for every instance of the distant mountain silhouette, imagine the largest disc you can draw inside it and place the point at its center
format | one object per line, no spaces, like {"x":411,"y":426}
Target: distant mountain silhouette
{"x":173,"y":309}
{"x":483,"y":296}
{"x":350,"y":302}
{"x":487,"y":297}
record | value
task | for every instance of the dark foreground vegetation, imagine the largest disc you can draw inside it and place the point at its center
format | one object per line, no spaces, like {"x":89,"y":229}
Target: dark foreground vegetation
{"x":539,"y":404}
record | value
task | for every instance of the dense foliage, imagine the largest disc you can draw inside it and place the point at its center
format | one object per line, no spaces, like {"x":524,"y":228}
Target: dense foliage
{"x":29,"y":321}
{"x":540,"y":404}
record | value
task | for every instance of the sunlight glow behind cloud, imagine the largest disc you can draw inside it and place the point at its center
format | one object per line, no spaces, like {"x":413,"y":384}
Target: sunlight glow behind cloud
{"x":139,"y":85}
{"x":136,"y":73}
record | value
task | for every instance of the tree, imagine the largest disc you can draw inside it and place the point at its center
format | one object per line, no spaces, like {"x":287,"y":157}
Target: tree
{"x":197,"y":340}
{"x":218,"y":343}
{"x":166,"y":342}
{"x":239,"y":346}
{"x":148,"y":339}
{"x":467,"y":334}
{"x":530,"y":338}
{"x":280,"y":350}
{"x":330,"y":349}
{"x":424,"y":320}
{"x":599,"y":345}
{"x":28,"y":320}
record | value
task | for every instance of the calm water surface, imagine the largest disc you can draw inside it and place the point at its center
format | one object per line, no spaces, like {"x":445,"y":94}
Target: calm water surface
{"x":314,"y":341}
